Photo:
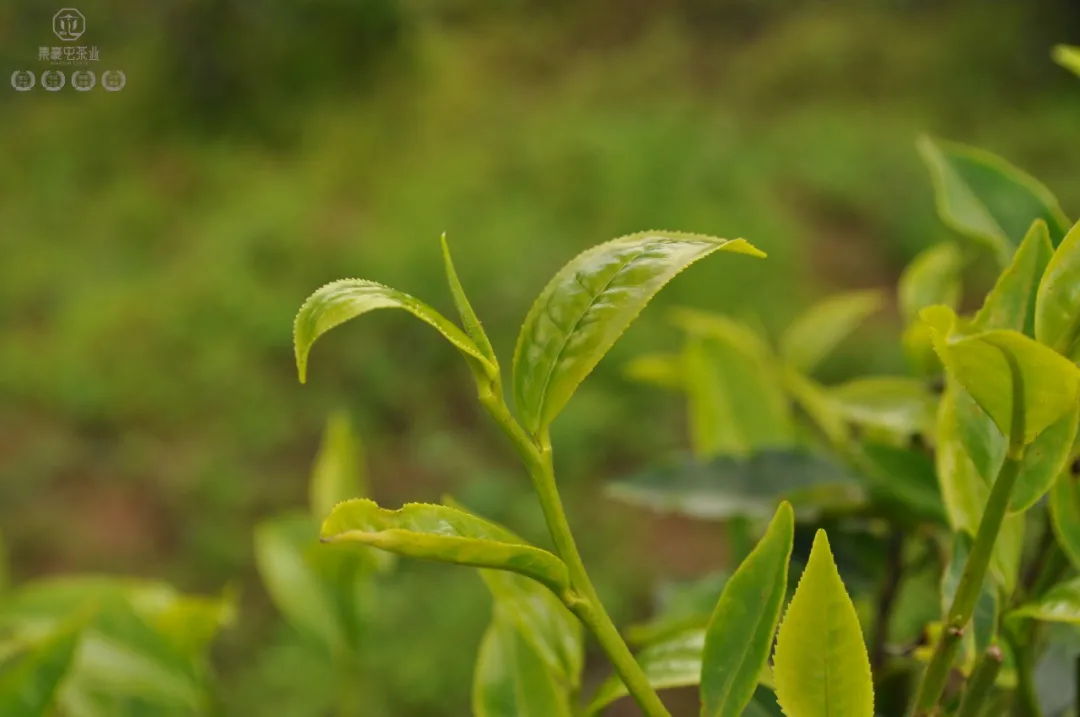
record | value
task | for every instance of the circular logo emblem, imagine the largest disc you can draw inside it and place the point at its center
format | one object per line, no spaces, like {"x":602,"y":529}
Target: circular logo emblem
{"x":69,"y":24}
{"x":83,"y":80}
{"x":53,"y":80}
{"x":113,"y":80}
{"x":22,"y":80}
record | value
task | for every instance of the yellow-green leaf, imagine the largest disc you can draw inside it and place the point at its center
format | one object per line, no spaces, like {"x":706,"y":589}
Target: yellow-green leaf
{"x":814,"y":334}
{"x":586,"y":307}
{"x":821,"y":668}
{"x":740,"y":633}
{"x":672,"y":662}
{"x":443,"y":534}
{"x":1068,"y":57}
{"x":1057,"y":308}
{"x":658,"y":369}
{"x":932,"y":277}
{"x":30,"y":679}
{"x":1065,"y":514}
{"x":338,"y":471}
{"x":981,"y":363}
{"x":339,"y":301}
{"x":1061,"y":603}
{"x":465,"y":310}
{"x":511,"y":680}
{"x":1011,"y":303}
{"x":1044,"y":460}
{"x":986,"y":199}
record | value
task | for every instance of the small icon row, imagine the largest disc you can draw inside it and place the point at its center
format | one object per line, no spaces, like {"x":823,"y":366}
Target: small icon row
{"x":81,"y":80}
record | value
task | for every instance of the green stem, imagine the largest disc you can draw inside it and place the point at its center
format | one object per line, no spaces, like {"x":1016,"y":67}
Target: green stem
{"x":586,"y":604}
{"x":967,"y":593}
{"x":981,"y":683}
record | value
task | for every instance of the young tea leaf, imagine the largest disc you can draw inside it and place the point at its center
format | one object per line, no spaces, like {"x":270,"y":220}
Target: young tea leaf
{"x":1044,"y":460}
{"x":740,"y":634}
{"x":586,"y":307}
{"x":465,"y":310}
{"x":443,"y":534}
{"x":815,"y":334}
{"x":338,"y":471}
{"x":933,"y":277}
{"x":984,"y":198}
{"x":1057,"y":307}
{"x":337,"y":302}
{"x":821,"y":668}
{"x":1068,"y":57}
{"x":1011,"y":303}
{"x":511,"y":680}
{"x":673,"y":662}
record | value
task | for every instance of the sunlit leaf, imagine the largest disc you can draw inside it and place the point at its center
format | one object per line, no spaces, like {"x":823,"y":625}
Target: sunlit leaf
{"x":1065,"y":514}
{"x":586,"y":307}
{"x":1057,"y":308}
{"x":725,"y":487}
{"x":740,"y":634}
{"x":1060,"y":603}
{"x":338,"y":471}
{"x":986,"y":199}
{"x":465,"y":310}
{"x":29,"y":680}
{"x":1068,"y":57}
{"x":511,"y":680}
{"x":443,"y":534}
{"x":933,"y":277}
{"x":981,"y":363}
{"x":1011,"y":303}
{"x":821,"y":667}
{"x":339,"y":301}
{"x":673,"y":662}
{"x":816,"y":333}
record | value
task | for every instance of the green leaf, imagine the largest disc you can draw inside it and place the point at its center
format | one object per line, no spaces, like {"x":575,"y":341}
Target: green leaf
{"x":895,"y":405}
{"x":658,"y":369}
{"x":1061,"y":603}
{"x":1065,"y":514}
{"x":586,"y":307}
{"x":444,"y":534}
{"x":1044,"y":460}
{"x":904,"y":477}
{"x":1068,"y":57}
{"x":722,"y":328}
{"x":725,"y":487}
{"x":984,"y":198}
{"x":337,"y":474}
{"x":1057,"y":307}
{"x":339,"y":301}
{"x":981,"y":363}
{"x":814,"y":400}
{"x":740,"y":634}
{"x":821,"y":668}
{"x":511,"y":679}
{"x":815,"y":334}
{"x":932,"y":277}
{"x":465,"y":310}
{"x":681,"y":606}
{"x":674,"y":662}
{"x":1011,"y":303}
{"x":29,"y":681}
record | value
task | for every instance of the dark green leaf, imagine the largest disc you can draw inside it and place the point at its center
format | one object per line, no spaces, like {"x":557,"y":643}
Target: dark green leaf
{"x":586,"y":307}
{"x":740,"y":634}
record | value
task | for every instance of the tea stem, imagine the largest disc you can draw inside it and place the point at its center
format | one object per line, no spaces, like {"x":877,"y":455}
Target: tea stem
{"x":981,"y":683}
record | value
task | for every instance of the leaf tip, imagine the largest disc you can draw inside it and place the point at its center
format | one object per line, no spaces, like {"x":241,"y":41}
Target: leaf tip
{"x":939,"y":317}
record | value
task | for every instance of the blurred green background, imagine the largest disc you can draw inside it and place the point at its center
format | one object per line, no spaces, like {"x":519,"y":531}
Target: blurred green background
{"x":156,"y":242}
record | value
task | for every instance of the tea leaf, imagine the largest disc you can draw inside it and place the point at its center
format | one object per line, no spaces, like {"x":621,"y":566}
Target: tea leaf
{"x":1011,"y":303}
{"x":443,"y":534}
{"x":984,"y":198}
{"x":337,"y":473}
{"x":821,"y":668}
{"x":586,"y":307}
{"x":1044,"y":460}
{"x":658,"y":369}
{"x":465,"y":310}
{"x":981,"y":363}
{"x":1068,"y":57}
{"x":932,"y":277}
{"x":511,"y":680}
{"x":1061,"y":603}
{"x":740,"y":634}
{"x":30,"y":680}
{"x":674,"y":662}
{"x":337,"y":302}
{"x":812,"y":336}
{"x":1065,"y":514}
{"x":1057,"y":308}
{"x":898,"y":405}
